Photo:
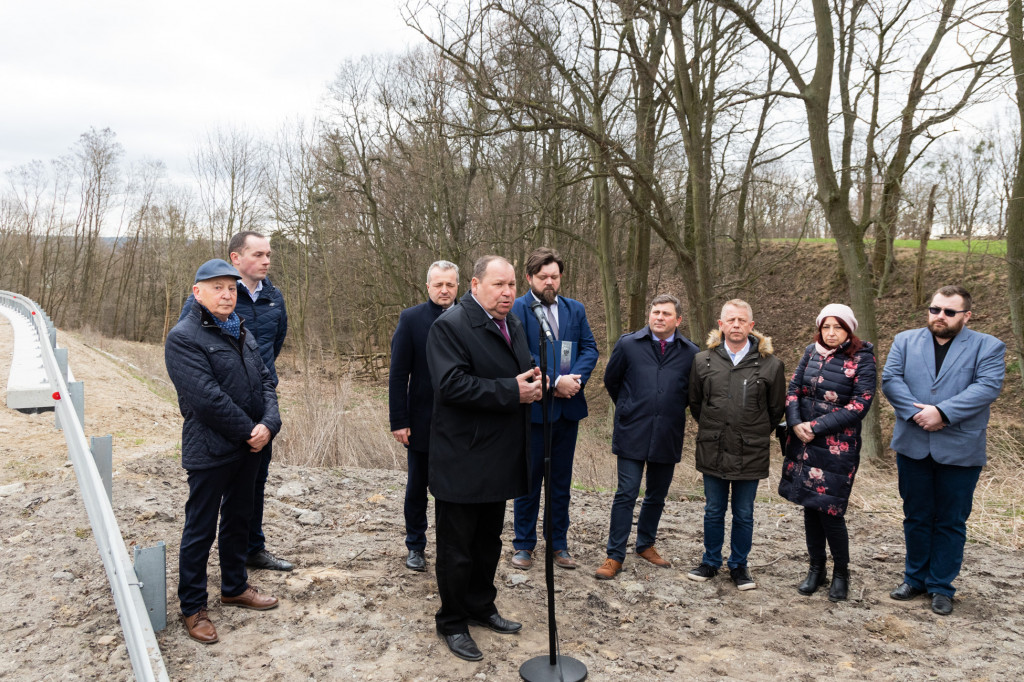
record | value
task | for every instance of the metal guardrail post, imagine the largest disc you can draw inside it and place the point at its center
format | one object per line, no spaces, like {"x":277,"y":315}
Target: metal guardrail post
{"x":102,"y":448}
{"x":61,"y":354}
{"x":151,"y":568}
{"x":76,"y":393}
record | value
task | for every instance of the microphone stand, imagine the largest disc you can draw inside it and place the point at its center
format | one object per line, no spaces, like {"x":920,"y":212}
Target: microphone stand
{"x":553,"y":667}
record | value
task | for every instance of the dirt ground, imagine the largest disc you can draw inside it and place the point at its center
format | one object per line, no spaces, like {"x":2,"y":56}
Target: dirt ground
{"x":352,"y":611}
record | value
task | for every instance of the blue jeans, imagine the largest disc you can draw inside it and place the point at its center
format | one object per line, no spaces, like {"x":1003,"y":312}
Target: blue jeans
{"x":937,"y":500}
{"x":659,"y":478}
{"x":563,"y":447}
{"x":716,"y":492}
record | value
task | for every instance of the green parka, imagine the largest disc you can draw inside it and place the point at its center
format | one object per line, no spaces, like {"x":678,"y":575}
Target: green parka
{"x":736,"y":408}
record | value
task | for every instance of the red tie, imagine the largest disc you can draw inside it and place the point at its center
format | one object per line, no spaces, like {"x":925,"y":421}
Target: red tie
{"x":504,"y":330}
{"x":663,"y":344}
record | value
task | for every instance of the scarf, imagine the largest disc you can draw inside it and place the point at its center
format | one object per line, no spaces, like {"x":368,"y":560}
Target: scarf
{"x":232,"y":325}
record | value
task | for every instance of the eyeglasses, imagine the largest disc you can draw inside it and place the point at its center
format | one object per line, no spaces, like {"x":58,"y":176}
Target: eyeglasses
{"x":948,"y":312}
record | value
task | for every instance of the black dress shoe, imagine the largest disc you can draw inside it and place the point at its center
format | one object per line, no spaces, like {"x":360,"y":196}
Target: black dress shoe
{"x":498,"y":624}
{"x":463,"y":646}
{"x":942,"y":604}
{"x":266,"y":560}
{"x":905,"y":592}
{"x":416,"y":561}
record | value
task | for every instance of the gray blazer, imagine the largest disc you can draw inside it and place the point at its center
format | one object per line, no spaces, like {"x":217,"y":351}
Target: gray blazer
{"x":970,"y":380}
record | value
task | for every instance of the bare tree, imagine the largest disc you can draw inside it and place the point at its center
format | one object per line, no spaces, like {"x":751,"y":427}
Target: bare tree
{"x":227,"y":166}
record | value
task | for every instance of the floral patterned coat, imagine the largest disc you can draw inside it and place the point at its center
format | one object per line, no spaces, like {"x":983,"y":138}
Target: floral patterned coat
{"x":833,"y":395}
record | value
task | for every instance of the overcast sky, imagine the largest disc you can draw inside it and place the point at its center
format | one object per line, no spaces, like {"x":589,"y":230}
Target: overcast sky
{"x":160,"y":74}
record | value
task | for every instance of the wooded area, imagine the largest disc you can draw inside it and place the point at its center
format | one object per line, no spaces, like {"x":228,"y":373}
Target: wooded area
{"x":639,"y":137}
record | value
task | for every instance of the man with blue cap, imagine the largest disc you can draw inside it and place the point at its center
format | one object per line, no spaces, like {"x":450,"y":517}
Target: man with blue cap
{"x":227,"y":397}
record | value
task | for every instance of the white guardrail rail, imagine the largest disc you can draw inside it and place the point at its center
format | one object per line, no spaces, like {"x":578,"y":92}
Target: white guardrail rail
{"x":147,"y":662}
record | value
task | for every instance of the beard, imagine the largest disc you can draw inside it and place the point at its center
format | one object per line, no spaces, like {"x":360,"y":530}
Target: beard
{"x":945,"y":331}
{"x":546,"y":296}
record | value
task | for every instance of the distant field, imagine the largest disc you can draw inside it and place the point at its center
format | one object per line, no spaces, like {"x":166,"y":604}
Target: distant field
{"x":995,"y":247}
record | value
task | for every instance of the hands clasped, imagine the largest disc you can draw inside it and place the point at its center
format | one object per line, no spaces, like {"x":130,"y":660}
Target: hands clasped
{"x":259,"y":438}
{"x":928,"y":418}
{"x":568,"y":386}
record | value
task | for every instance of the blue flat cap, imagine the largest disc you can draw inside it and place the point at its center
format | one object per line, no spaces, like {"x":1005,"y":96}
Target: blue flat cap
{"x":216,"y":268}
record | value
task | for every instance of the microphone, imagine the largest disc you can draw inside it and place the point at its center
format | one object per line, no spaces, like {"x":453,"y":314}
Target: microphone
{"x":543,"y":320}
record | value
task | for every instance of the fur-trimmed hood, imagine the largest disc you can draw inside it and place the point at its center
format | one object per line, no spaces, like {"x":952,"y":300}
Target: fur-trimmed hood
{"x":764,"y":343}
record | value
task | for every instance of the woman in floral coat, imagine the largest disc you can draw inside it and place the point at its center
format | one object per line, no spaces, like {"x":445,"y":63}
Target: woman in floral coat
{"x":829,"y":394}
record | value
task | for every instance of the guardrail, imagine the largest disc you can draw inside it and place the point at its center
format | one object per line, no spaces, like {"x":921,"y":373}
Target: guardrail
{"x":143,"y":650}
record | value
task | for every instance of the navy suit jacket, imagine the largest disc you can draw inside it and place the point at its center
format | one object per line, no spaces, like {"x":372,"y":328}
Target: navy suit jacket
{"x":410,"y":394}
{"x":970,"y":380}
{"x":572,"y":326}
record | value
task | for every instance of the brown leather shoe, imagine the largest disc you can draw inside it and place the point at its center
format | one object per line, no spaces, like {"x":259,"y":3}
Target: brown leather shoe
{"x":250,"y":599}
{"x":200,"y":627}
{"x":522,"y":559}
{"x":609,"y":569}
{"x":564,"y":560}
{"x":652,"y":555}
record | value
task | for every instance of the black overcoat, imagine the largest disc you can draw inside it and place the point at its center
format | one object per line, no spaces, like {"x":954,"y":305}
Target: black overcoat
{"x":410,"y":395}
{"x":479,"y":434}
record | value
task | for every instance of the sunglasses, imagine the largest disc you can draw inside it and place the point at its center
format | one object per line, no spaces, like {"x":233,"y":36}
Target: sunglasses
{"x":948,"y":312}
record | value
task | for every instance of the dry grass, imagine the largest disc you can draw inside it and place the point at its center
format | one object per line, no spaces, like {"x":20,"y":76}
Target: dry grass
{"x":332,"y":421}
{"x":145,"y":361}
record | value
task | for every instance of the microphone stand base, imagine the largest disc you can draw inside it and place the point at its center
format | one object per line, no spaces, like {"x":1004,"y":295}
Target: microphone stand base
{"x":566,"y":669}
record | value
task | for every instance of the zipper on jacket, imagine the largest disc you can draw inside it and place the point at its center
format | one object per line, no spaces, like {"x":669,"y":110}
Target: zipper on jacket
{"x":744,"y":392}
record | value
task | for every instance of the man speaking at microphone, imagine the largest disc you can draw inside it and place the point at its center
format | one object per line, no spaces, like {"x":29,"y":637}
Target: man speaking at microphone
{"x":572,"y":354}
{"x":484,"y":381}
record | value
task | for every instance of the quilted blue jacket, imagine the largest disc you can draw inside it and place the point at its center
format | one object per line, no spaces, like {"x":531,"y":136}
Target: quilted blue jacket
{"x":224,"y":390}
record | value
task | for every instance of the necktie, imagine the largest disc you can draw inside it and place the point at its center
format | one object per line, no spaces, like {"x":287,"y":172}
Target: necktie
{"x":551,"y":321}
{"x":504,"y":330}
{"x":663,"y":344}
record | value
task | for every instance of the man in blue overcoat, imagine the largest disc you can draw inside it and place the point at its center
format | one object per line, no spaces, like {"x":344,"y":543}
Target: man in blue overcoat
{"x":648,"y":378}
{"x":571,"y":359}
{"x":940,"y":380}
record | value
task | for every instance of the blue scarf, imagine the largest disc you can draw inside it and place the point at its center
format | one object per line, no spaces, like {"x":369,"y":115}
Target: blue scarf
{"x":232,"y":325}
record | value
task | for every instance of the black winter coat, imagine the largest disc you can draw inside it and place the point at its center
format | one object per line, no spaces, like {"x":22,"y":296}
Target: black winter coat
{"x":736,"y":408}
{"x":265,"y":318}
{"x":224,"y":390}
{"x":834,"y":396}
{"x":410,"y":395}
{"x":649,"y":391}
{"x":479,"y":435}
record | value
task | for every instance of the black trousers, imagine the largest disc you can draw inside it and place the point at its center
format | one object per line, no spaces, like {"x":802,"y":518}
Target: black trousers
{"x":468,"y":551}
{"x":225,"y":491}
{"x":416,"y":500}
{"x":820,"y":528}
{"x":257,"y":541}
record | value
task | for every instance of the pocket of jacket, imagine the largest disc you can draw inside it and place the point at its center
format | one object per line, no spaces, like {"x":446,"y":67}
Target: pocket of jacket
{"x":754,"y":446}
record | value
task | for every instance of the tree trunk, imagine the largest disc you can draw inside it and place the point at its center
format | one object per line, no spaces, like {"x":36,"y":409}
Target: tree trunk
{"x":922,"y":249}
{"x":1015,"y":209}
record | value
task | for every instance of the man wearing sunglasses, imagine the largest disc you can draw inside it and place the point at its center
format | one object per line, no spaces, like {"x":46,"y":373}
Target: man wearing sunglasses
{"x":940,"y":380}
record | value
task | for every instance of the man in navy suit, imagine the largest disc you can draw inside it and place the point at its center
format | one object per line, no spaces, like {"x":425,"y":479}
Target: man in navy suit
{"x":411,"y":399}
{"x":940,"y":380}
{"x":570,"y":361}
